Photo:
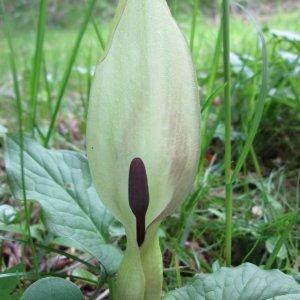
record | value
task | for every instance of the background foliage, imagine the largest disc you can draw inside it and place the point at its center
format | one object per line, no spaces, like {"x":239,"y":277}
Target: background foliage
{"x":267,"y":192}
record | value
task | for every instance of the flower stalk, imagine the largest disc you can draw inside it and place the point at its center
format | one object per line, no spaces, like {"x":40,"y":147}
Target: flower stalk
{"x":227,"y":100}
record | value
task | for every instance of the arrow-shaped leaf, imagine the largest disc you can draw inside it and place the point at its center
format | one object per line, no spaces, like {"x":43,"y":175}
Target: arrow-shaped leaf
{"x":60,"y":182}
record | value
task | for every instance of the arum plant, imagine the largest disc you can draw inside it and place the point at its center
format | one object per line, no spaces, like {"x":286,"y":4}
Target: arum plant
{"x":143,"y":135}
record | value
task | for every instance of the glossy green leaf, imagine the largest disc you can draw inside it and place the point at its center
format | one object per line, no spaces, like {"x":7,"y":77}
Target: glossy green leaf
{"x":52,"y":288}
{"x":60,"y":181}
{"x":246,"y":282}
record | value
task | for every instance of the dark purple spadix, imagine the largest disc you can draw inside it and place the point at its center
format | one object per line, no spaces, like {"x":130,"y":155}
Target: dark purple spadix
{"x":138,"y":194}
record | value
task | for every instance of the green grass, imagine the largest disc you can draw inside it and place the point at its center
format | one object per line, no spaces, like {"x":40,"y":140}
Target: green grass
{"x":37,"y":61}
{"x":68,"y":71}
{"x":261,"y":159}
{"x":228,"y":130}
{"x":59,"y":41}
{"x":19,"y":105}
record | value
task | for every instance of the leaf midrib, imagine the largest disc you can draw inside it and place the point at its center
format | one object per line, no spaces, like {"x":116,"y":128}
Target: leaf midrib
{"x":56,"y":182}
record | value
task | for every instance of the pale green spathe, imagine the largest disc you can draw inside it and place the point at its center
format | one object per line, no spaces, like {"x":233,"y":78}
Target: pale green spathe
{"x":144,"y":103}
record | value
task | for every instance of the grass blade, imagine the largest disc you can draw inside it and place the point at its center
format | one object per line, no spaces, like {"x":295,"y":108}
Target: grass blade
{"x":98,"y":33}
{"x":259,"y":108}
{"x":227,"y":102}
{"x":37,"y":62}
{"x":68,"y":70}
{"x":20,"y":122}
{"x":193,"y":25}
{"x":47,"y":88}
{"x":288,"y":227}
{"x":54,"y":250}
{"x":210,"y":98}
{"x":207,"y":106}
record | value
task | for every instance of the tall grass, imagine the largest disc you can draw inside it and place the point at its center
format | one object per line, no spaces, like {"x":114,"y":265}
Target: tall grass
{"x":255,"y":115}
{"x":207,"y":106}
{"x":227,"y":109}
{"x":68,"y":70}
{"x":194,"y":24}
{"x":21,"y":136}
{"x":37,"y":62}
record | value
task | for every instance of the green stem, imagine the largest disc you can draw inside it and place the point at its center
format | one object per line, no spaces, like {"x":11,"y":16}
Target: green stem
{"x":152,"y":263}
{"x":20,"y":121}
{"x":47,"y":88}
{"x":37,"y":62}
{"x":98,"y":33}
{"x":178,"y":275}
{"x":193,"y":25}
{"x":227,"y":99}
{"x":68,"y":70}
{"x":1,"y":253}
{"x":174,"y":8}
{"x":141,"y":269}
{"x":207,"y":108}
